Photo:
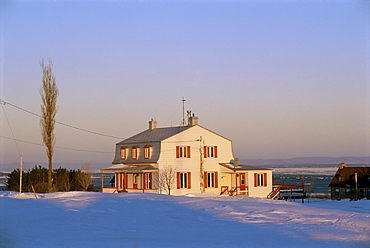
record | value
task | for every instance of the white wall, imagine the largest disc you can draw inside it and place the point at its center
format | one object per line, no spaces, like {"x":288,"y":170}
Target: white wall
{"x":259,"y":191}
{"x":196,"y":137}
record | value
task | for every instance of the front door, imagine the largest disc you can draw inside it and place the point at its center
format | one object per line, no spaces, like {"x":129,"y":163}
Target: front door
{"x":242,"y":182}
{"x":135,"y":180}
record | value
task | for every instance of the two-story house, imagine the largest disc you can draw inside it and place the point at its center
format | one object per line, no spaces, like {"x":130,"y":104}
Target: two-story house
{"x":194,"y":158}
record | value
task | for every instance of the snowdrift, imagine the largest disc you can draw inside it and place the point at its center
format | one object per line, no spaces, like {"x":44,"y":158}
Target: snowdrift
{"x":86,"y":219}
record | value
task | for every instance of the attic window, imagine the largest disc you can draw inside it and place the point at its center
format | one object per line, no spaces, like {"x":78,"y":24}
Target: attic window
{"x":134,"y":152}
{"x":147,"y":152}
{"x":340,"y":179}
{"x":123,"y":153}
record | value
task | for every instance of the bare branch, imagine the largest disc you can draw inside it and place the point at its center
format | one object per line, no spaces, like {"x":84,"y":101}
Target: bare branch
{"x":49,"y":93}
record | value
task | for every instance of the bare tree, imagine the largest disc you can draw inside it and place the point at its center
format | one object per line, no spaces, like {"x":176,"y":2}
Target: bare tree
{"x":49,"y":93}
{"x":166,"y":179}
{"x":62,"y":180}
{"x":83,"y":178}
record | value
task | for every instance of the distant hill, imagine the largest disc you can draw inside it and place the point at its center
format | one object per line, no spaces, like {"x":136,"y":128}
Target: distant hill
{"x":270,"y":163}
{"x":307,"y":161}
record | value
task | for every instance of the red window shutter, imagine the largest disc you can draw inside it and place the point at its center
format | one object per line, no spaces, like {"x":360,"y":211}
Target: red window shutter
{"x":216,"y":179}
{"x":144,"y":181}
{"x":205,"y":180}
{"x":188,"y":151}
{"x":189,"y":180}
{"x":205,"y":151}
{"x":177,"y":151}
{"x":119,"y":180}
{"x":151,"y":180}
{"x":265,"y":179}
{"x":178,"y":180}
{"x":215,"y":151}
{"x":255,"y":179}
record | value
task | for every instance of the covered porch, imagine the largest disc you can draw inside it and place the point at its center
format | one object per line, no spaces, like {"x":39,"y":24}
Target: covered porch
{"x":245,"y":180}
{"x":234,"y":180}
{"x":130,"y":178}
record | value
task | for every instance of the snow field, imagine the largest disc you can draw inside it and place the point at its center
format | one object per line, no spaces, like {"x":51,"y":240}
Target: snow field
{"x":87,"y":219}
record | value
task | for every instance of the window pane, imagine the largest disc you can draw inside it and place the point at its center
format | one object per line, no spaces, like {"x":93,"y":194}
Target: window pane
{"x":211,"y":180}
{"x":183,"y":180}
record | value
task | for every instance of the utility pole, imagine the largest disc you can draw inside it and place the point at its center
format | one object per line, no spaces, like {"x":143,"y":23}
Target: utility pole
{"x":2,"y":102}
{"x":20,"y":174}
{"x":356,"y":186}
{"x":201,"y":168}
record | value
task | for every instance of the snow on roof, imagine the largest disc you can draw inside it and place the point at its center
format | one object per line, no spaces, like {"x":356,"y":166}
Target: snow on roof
{"x":129,"y":167}
{"x":242,"y":167}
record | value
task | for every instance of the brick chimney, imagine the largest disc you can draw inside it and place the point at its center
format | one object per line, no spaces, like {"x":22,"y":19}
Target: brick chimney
{"x":152,"y":124}
{"x":192,"y":120}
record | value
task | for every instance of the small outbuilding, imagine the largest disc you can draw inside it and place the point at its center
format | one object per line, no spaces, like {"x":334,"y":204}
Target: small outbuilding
{"x":350,"y":182}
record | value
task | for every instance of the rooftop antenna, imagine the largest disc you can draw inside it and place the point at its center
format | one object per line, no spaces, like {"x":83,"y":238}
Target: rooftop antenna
{"x":183,"y":112}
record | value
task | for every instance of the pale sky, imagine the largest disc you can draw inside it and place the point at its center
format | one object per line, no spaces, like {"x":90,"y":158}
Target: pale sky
{"x":281,"y":79}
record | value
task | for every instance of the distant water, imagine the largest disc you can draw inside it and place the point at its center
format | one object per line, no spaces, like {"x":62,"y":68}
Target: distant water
{"x":2,"y":183}
{"x":316,"y":179}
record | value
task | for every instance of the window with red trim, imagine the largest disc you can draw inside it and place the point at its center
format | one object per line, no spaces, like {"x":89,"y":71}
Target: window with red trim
{"x":210,"y":151}
{"x":260,"y":179}
{"x":182,"y":151}
{"x":123,"y":153}
{"x":184,"y":180}
{"x":211,"y":179}
{"x":147,"y":152}
{"x":134,"y":152}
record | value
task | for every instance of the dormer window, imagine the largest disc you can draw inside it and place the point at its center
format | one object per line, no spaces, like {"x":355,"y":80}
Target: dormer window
{"x":134,"y":152}
{"x":147,"y":152}
{"x":123,"y":153}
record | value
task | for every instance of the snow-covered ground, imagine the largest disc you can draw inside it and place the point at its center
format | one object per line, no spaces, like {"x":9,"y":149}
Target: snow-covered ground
{"x":87,"y":219}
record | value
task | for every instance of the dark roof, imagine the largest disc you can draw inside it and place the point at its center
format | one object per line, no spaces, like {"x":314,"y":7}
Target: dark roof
{"x":154,"y":135}
{"x":242,"y":167}
{"x":345,"y":177}
{"x":129,"y":168}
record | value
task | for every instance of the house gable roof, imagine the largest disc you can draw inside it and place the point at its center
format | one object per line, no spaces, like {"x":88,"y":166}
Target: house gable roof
{"x":154,"y":135}
{"x":345,"y":177}
{"x":160,"y":134}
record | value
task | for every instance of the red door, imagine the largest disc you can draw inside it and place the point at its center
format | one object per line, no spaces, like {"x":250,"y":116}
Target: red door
{"x":135,"y":180}
{"x":242,"y":181}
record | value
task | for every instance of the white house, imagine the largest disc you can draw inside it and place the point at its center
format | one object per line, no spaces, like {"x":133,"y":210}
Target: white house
{"x":201,"y":160}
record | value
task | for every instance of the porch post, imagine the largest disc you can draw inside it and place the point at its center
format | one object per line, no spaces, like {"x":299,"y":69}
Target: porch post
{"x":116,"y":181}
{"x":143,"y":181}
{"x":102,"y":181}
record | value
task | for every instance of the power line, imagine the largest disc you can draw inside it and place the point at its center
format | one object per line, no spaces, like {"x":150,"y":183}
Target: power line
{"x":2,"y":102}
{"x":6,"y":117}
{"x":58,"y":147}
